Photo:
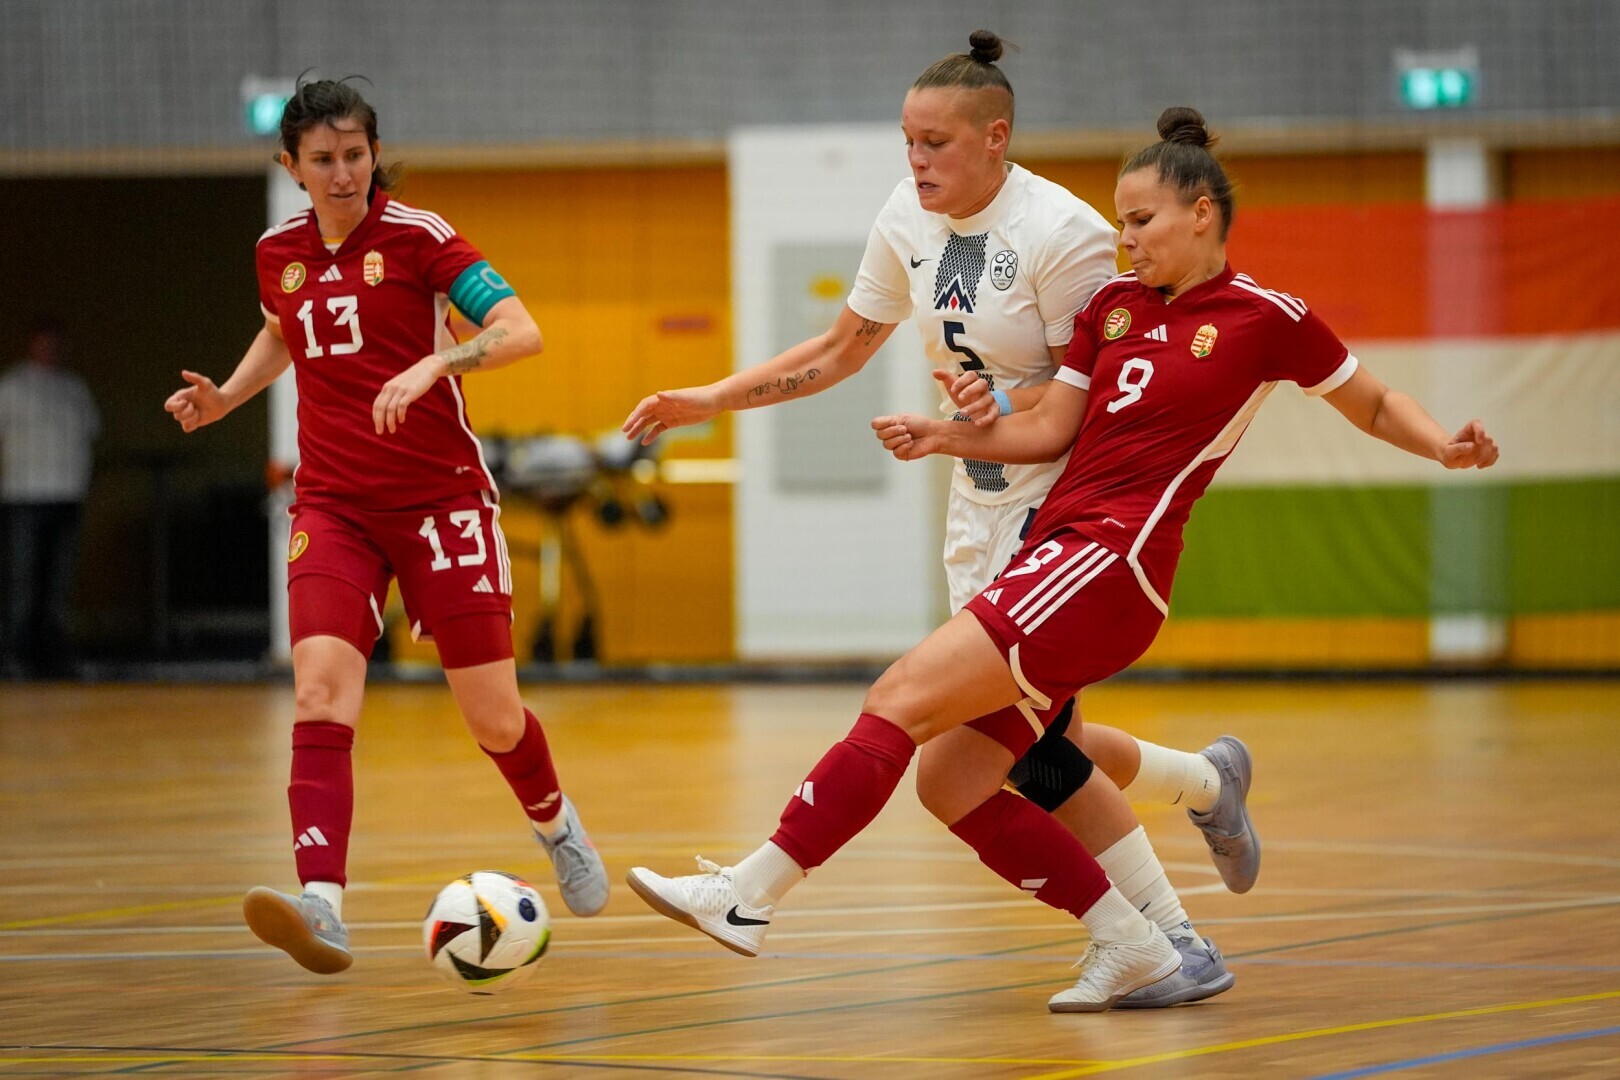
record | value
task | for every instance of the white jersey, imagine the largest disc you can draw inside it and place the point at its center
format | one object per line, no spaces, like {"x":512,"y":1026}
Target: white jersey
{"x":991,"y":293}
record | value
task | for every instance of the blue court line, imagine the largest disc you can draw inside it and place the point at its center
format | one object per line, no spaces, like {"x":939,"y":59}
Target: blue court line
{"x":1460,"y":1055}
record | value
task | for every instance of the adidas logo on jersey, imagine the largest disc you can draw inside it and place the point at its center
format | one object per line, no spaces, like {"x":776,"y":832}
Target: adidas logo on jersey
{"x":311,"y":837}
{"x":332,"y":274}
{"x":807,"y":792}
{"x":1162,"y":333}
{"x":483,"y":584}
{"x":993,"y":595}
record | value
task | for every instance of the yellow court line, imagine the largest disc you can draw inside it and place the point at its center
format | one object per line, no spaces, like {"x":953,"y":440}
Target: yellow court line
{"x":866,"y":1059}
{"x":101,"y":1059}
{"x":119,"y":913}
{"x":1317,"y":1033}
{"x":170,"y":905}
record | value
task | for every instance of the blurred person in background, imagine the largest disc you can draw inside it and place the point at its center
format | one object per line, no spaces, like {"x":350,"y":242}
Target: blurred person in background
{"x":391,"y":482}
{"x":48,"y":427}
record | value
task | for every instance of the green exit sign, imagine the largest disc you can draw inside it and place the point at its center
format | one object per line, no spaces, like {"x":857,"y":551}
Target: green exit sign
{"x":1447,"y":79}
{"x":263,"y":101}
{"x":1437,"y":88}
{"x":264,"y":113}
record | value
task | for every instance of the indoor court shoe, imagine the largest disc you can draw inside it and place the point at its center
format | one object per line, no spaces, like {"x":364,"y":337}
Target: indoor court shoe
{"x":1110,"y":970}
{"x":706,"y":902}
{"x":1233,"y":846}
{"x":1203,"y":974}
{"x":303,"y":927}
{"x":581,"y":877}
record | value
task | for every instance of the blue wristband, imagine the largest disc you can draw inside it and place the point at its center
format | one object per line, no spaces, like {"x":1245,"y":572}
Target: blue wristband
{"x":1003,"y":402}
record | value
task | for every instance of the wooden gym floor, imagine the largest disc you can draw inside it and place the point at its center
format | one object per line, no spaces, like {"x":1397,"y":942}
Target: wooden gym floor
{"x":1439,"y":894}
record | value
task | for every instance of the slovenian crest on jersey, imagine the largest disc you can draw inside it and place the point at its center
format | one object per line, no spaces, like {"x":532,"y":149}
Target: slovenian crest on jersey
{"x":1003,"y":269}
{"x":956,"y":282}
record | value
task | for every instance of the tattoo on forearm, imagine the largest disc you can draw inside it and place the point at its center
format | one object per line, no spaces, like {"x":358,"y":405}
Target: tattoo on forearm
{"x":868,"y":331}
{"x":469,"y":355}
{"x":787,"y":384}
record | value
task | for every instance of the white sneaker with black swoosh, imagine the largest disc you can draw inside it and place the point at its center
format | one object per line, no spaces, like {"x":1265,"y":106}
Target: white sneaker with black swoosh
{"x":708,"y":902}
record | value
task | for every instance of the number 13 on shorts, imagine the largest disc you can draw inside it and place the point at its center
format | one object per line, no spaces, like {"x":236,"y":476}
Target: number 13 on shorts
{"x":468,"y":522}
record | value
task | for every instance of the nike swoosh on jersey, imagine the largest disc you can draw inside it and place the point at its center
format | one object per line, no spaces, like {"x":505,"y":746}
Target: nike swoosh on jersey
{"x":916,"y":262}
{"x":737,"y":920}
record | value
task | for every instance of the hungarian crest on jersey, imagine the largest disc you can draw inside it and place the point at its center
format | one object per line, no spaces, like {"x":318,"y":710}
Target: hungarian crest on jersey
{"x":373,"y":270}
{"x":1203,"y":342}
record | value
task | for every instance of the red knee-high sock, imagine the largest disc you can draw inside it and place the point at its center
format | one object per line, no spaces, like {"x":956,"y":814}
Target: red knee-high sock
{"x":528,"y":769}
{"x":321,"y":796}
{"x":845,"y":791}
{"x":1027,"y":846}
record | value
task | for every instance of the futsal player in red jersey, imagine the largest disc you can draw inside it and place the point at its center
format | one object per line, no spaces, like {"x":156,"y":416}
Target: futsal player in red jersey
{"x":1166,"y":368}
{"x":391,"y":482}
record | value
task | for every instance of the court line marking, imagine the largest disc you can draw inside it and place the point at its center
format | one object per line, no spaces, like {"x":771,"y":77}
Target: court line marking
{"x":1321,"y":1033}
{"x":681,"y":995}
{"x":185,"y":1056}
{"x":678,"y":937}
{"x":1390,"y":932}
{"x":920,"y":963}
{"x":1460,"y":1055}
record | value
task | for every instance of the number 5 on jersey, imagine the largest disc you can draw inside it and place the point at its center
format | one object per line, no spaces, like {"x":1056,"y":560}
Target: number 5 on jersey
{"x":347,"y":310}
{"x":986,"y":475}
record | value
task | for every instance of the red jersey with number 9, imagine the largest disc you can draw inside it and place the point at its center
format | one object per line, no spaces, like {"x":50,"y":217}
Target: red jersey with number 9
{"x":1173,"y":385}
{"x":353,"y":319}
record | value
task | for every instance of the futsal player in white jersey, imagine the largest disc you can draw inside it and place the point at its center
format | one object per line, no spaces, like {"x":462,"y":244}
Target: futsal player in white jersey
{"x":993,"y":262}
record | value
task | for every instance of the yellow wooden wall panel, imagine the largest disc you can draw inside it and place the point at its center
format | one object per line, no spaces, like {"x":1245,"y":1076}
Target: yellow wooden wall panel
{"x":1570,"y":173}
{"x":1302,"y":643}
{"x":627,"y":272}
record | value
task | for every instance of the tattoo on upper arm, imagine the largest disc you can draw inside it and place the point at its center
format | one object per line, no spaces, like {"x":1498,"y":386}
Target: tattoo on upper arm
{"x":868,"y":330}
{"x":469,"y":355}
{"x":787,"y":384}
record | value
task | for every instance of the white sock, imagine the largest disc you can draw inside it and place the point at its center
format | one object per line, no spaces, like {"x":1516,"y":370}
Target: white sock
{"x":1112,"y":918}
{"x":1136,"y":873}
{"x":551,"y":829}
{"x":1175,"y":777}
{"x":764,"y":877}
{"x":330,"y":891}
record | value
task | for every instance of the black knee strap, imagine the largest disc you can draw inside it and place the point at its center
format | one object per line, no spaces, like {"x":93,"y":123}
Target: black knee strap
{"x":1054,"y":768}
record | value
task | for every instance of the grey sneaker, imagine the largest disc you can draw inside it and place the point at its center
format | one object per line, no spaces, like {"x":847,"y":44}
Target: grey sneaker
{"x":304,"y":927}
{"x":581,"y":877}
{"x":1233,"y":846}
{"x":1203,"y":974}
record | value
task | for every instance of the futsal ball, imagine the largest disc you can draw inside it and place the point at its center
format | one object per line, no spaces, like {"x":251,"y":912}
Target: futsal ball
{"x":486,"y":932}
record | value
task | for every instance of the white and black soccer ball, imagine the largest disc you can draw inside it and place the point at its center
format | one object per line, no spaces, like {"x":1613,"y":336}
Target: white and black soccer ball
{"x":487,"y":931}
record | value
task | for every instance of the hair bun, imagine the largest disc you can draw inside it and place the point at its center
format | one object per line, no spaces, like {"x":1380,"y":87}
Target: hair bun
{"x":1183,"y":124}
{"x":986,"y":46}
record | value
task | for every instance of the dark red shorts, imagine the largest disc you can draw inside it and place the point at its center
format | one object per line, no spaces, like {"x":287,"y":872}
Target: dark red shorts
{"x":450,"y":557}
{"x":1065,"y":613}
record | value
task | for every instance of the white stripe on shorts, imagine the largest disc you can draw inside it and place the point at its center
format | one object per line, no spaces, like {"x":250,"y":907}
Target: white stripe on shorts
{"x":1045,"y":602}
{"x":1076,"y":587}
{"x":1050,"y":579}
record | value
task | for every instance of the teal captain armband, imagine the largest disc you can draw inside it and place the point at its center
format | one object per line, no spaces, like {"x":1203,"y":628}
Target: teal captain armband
{"x":478,"y":289}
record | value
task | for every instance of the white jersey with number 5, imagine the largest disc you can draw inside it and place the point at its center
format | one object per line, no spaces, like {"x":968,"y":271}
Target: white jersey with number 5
{"x":991,"y":293}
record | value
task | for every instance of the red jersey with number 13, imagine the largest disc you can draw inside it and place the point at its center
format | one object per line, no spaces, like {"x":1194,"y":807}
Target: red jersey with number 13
{"x":353,"y":319}
{"x":1173,"y":385}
